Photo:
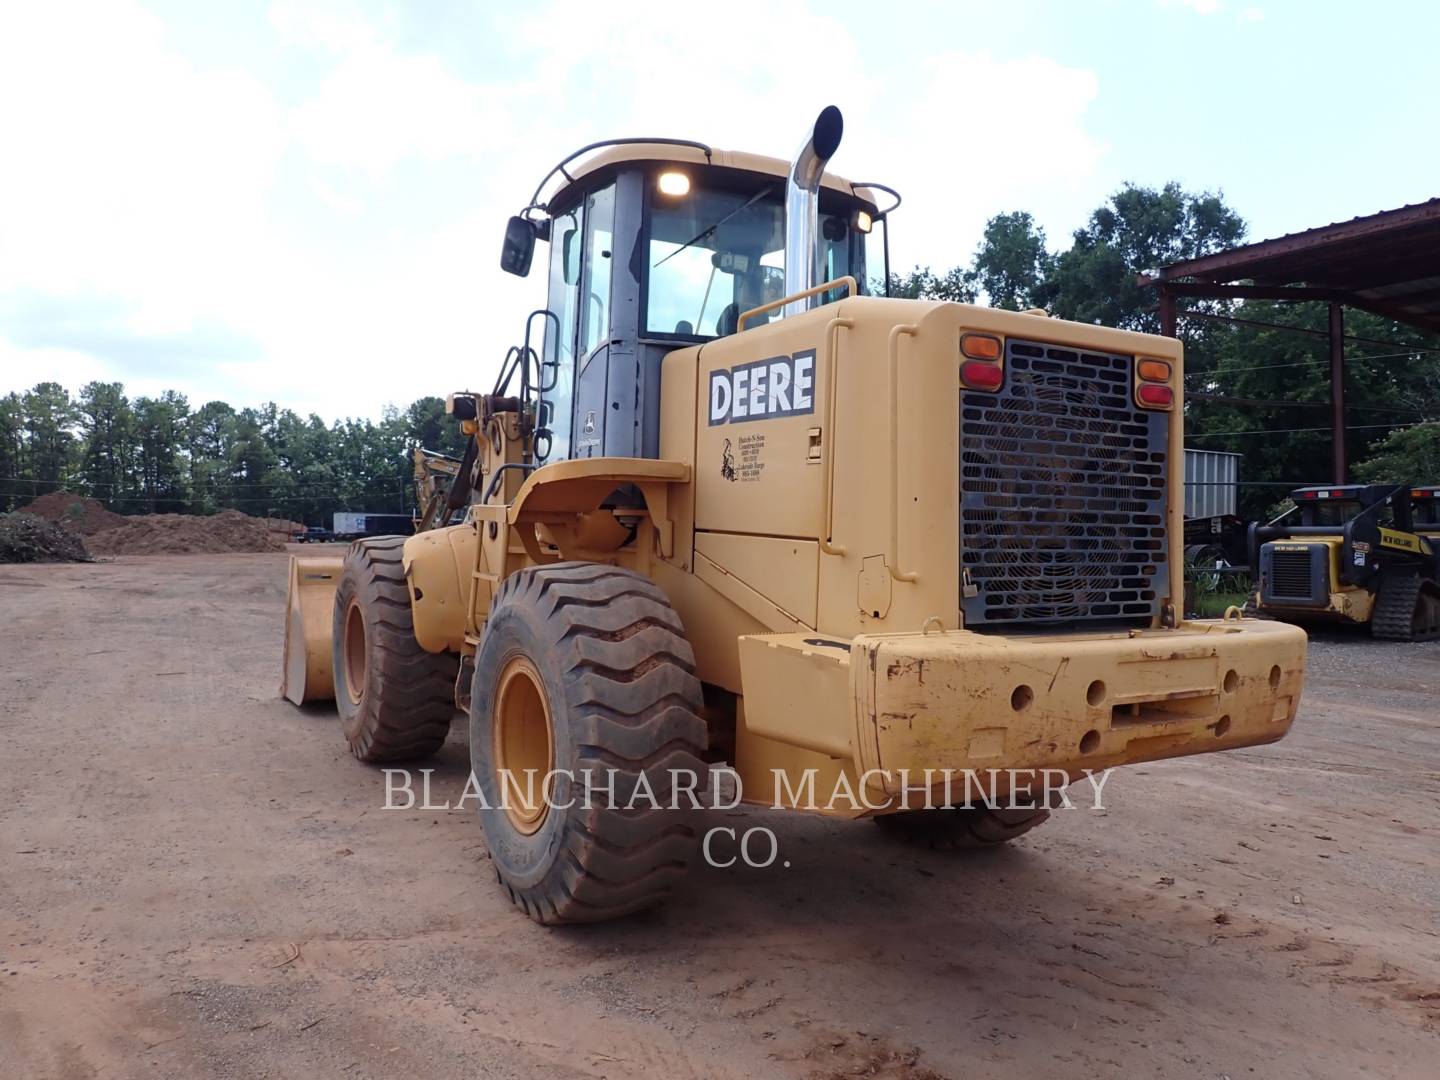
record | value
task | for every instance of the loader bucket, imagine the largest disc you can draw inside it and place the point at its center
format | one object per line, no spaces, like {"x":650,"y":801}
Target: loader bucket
{"x":308,"y":615}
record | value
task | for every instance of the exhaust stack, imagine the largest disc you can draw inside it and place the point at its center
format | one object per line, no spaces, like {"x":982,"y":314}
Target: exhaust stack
{"x":802,"y":206}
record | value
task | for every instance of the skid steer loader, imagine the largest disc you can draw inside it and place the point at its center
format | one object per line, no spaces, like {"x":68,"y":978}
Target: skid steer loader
{"x":1362,"y":554}
{"x":741,"y":506}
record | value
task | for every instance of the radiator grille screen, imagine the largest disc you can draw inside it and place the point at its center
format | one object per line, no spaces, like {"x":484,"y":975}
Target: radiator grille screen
{"x":1290,"y":575}
{"x":1062,"y":492}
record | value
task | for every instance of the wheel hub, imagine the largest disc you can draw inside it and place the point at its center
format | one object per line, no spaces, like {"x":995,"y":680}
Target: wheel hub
{"x":524,"y":747}
{"x":357,"y":661}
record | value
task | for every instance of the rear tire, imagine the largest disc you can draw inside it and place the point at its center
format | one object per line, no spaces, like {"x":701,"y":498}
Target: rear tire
{"x":956,"y":828}
{"x":395,"y":699}
{"x":586,"y":667}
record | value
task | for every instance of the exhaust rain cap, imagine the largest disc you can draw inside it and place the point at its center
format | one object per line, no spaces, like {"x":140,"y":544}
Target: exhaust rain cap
{"x":802,"y":204}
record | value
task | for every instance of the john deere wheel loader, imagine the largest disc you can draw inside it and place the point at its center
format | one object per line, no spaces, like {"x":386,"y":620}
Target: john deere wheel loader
{"x":741,"y":506}
{"x":1364,"y":554}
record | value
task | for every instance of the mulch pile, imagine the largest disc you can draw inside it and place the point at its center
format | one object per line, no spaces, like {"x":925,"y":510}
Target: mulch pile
{"x":76,"y":513}
{"x":26,"y":538}
{"x":108,"y":533}
{"x":186,"y":534}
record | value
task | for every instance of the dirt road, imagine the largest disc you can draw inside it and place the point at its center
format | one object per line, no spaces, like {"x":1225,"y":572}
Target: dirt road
{"x":197,"y":880}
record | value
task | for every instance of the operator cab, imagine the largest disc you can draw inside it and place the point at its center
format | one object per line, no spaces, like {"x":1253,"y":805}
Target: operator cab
{"x":654,"y":246}
{"x":1337,"y":504}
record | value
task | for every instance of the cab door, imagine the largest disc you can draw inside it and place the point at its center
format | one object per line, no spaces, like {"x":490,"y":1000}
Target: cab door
{"x":592,"y":380}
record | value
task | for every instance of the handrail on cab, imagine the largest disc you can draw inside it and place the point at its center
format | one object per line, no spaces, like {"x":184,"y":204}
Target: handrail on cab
{"x":848,"y":281}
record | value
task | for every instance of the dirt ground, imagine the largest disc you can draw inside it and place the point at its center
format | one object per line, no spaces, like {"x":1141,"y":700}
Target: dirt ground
{"x":197,"y":880}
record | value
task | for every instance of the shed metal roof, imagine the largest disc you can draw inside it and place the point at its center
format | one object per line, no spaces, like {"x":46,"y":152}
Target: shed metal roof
{"x":1388,"y":263}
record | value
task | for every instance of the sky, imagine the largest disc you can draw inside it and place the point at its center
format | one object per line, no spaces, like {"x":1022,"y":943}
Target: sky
{"x":304,"y":202}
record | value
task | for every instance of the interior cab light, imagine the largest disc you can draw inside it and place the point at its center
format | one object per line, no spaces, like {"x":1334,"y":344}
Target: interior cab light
{"x":1154,"y":371}
{"x":980,"y":346}
{"x":979,"y":375}
{"x":674,"y":184}
{"x":1155,"y":396}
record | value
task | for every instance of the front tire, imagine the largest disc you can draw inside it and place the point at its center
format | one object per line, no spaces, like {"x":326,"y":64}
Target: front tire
{"x":585,"y":667}
{"x":395,"y":699}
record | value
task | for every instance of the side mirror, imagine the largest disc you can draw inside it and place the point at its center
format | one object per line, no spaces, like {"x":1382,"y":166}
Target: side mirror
{"x":519,"y":247}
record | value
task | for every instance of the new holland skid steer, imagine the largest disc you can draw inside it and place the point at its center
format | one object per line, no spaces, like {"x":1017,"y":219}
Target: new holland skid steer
{"x":1364,"y":554}
{"x":743,"y":507}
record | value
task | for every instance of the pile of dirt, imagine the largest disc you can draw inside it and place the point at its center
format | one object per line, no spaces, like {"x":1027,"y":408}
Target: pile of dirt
{"x":27,"y":538}
{"x":109,"y":533}
{"x":75,"y":512}
{"x":186,"y":534}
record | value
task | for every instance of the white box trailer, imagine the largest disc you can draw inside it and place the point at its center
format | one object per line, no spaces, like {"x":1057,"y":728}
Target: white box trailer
{"x":348,"y":524}
{"x":1212,"y":480}
{"x":351,"y":526}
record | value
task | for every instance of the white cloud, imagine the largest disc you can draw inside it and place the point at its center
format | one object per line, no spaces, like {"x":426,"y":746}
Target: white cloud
{"x":1200,"y":7}
{"x":987,"y":135}
{"x":378,"y":108}
{"x":345,"y":225}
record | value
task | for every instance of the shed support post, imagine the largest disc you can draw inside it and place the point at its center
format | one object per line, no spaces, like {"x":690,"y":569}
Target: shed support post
{"x":1167,"y":312}
{"x":1337,"y":389}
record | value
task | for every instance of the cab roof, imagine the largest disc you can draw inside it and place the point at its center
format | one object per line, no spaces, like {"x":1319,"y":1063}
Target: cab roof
{"x":664,"y":153}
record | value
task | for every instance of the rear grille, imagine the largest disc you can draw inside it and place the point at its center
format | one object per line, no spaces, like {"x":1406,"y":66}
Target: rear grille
{"x":1290,"y":575}
{"x":1062,"y":492}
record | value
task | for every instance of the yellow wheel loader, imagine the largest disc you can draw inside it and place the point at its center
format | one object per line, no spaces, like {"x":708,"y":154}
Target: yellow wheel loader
{"x":728,"y":502}
{"x":1363,"y":554}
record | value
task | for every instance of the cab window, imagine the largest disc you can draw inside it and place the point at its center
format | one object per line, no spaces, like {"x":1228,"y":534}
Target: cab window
{"x":598,"y":260}
{"x":714,"y":253}
{"x":566,"y":241}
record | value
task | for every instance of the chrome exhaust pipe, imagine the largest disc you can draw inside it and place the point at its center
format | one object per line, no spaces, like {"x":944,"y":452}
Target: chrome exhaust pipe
{"x":802,"y":206}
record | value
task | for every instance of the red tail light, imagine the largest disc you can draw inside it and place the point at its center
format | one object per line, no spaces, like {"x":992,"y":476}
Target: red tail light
{"x":979,"y":375}
{"x":1155,"y":396}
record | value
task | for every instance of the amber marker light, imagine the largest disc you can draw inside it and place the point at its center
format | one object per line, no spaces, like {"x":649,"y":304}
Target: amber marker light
{"x":1154,"y":371}
{"x":980,"y":346}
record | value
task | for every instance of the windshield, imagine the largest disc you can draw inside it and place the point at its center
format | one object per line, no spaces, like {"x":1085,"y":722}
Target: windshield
{"x":735,"y":258}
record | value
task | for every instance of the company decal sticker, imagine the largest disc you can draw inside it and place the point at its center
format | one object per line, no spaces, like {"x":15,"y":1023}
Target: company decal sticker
{"x":750,"y":465}
{"x":767,"y":389}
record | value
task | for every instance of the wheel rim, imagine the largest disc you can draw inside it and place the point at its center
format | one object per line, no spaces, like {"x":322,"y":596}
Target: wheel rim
{"x":356,"y":655}
{"x":524,"y":748}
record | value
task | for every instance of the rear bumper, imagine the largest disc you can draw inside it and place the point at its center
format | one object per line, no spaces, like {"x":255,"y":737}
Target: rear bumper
{"x":1353,"y":605}
{"x":960,"y":700}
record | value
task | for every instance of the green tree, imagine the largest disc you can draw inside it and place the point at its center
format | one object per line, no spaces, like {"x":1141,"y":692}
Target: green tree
{"x":160,"y":429}
{"x":49,"y":436}
{"x":1012,"y":264}
{"x":956,"y":284}
{"x":1139,"y":229}
{"x":107,"y":427}
{"x":1405,"y":456}
{"x":427,"y":425}
{"x":14,"y":489}
{"x":210,"y":441}
{"x":252,"y":462}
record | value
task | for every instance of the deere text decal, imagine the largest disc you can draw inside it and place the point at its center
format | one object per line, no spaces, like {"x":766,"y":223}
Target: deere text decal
{"x":763,"y":389}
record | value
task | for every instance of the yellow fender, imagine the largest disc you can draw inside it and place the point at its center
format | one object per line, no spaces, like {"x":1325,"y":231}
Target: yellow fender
{"x":309,"y":609}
